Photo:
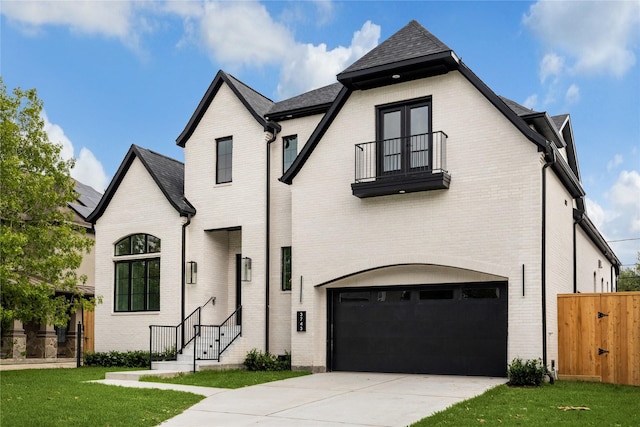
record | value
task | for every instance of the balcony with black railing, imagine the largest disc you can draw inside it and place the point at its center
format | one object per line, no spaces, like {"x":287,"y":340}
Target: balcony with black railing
{"x":401,"y":165}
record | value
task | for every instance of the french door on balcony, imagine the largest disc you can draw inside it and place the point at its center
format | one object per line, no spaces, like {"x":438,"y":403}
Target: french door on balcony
{"x":404,"y":132}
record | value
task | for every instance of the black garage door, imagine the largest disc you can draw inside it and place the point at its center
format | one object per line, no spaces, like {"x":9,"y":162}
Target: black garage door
{"x":449,"y":329}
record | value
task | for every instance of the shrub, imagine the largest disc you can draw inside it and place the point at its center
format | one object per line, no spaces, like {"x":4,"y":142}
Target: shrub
{"x":528,"y":372}
{"x":258,"y":361}
{"x":129,"y":359}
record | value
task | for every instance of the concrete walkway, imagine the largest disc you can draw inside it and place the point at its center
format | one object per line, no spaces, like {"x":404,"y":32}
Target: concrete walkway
{"x":336,"y":398}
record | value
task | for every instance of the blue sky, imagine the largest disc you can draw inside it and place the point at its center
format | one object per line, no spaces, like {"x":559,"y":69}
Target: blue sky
{"x":116,"y":73}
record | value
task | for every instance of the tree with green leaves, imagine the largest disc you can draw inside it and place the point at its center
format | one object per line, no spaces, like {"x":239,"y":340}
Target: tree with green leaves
{"x":629,"y":278}
{"x":40,"y":247}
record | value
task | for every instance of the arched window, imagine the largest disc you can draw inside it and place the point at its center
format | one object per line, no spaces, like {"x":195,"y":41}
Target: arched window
{"x":137,"y":273}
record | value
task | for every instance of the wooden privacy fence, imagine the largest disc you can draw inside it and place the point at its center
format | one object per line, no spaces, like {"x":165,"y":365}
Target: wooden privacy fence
{"x":599,"y":337}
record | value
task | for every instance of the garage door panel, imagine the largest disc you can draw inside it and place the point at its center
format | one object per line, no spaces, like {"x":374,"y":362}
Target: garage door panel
{"x":429,"y":330}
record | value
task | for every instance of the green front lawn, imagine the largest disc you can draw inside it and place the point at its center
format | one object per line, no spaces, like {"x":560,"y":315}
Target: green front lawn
{"x":563,"y":403}
{"x":61,"y":397}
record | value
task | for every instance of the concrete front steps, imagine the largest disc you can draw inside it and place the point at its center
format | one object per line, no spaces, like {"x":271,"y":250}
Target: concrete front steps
{"x":232,"y":358}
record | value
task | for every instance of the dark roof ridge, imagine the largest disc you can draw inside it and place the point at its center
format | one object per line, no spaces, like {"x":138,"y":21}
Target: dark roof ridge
{"x":256,"y":103}
{"x":249,"y":87}
{"x":310,"y":102}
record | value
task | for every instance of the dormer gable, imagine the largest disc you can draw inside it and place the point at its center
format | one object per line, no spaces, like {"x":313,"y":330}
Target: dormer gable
{"x":256,"y":103}
{"x":167,"y":173}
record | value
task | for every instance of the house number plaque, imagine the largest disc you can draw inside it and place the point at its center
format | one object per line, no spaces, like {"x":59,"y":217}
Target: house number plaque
{"x":301,"y":317}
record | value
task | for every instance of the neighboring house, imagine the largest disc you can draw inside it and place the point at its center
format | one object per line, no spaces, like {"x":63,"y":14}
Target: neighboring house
{"x":403,"y":219}
{"x":34,"y":340}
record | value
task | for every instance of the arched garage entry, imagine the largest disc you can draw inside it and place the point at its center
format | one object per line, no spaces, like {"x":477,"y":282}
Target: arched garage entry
{"x":418,"y":319}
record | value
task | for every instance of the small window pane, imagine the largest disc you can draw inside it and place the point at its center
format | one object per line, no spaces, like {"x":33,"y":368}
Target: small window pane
{"x":392,"y":296}
{"x":123,"y":247}
{"x":289,"y":151}
{"x":137,"y":285}
{"x":138,"y":244}
{"x":469,"y":293}
{"x":362,"y":296}
{"x":153,"y":244}
{"x":286,"y":268}
{"x":224,"y":160}
{"x":122,"y":287}
{"x":436,"y":294}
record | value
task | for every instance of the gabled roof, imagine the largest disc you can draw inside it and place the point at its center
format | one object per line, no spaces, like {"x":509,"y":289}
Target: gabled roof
{"x":313,"y":102}
{"x":256,"y":103}
{"x":167,"y":173}
{"x":412,"y":52}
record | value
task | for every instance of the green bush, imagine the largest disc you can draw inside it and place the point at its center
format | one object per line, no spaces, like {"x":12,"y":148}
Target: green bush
{"x":526,"y":373}
{"x":258,"y":361}
{"x":129,"y":359}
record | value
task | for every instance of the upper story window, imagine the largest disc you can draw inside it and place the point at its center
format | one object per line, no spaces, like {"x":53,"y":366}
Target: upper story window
{"x":405,"y":132}
{"x":289,"y":151}
{"x":137,"y":274}
{"x":407,"y":156}
{"x":224,"y":157}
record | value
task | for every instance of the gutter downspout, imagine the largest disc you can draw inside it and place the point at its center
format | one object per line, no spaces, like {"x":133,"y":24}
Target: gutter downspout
{"x":269,"y":138}
{"x":184,"y":274}
{"x":577,"y":219}
{"x":544,"y":251}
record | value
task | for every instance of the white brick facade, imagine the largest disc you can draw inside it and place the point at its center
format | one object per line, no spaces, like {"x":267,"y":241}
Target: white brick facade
{"x":486,"y":227}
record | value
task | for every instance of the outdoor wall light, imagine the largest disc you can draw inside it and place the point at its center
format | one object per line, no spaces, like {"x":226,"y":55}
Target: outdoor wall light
{"x":246,"y":269}
{"x":192,"y":272}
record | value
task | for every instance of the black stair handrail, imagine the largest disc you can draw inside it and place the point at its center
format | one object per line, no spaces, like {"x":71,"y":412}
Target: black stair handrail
{"x":166,"y":342}
{"x":234,"y":319}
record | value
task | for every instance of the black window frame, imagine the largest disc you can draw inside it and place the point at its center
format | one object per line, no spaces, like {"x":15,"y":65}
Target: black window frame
{"x":404,"y":108}
{"x":287,"y":151}
{"x":285,"y":268}
{"x":129,"y":254}
{"x":224,"y":161}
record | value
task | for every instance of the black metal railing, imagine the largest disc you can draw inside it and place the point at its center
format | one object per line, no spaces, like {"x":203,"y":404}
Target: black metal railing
{"x":165,"y":342}
{"x":212,"y":340}
{"x":411,"y":155}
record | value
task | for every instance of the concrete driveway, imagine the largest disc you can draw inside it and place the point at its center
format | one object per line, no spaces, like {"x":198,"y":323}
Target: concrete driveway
{"x":336,"y":398}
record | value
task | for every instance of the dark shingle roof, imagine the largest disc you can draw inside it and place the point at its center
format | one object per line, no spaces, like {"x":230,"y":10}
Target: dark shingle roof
{"x":410,"y":42}
{"x":167,"y":173}
{"x":517,"y":108}
{"x":260,"y":103}
{"x":560,"y":120}
{"x":87,"y":200}
{"x":321,"y":97}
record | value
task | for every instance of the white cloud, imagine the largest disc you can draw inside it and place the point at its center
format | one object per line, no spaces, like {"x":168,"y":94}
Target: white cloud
{"x":620,"y":218}
{"x":573,"y":94}
{"x":615,"y":162}
{"x":87,"y":169}
{"x":311,"y":66}
{"x":551,"y":66}
{"x":598,"y":36}
{"x":107,"y":18}
{"x":241,"y":34}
